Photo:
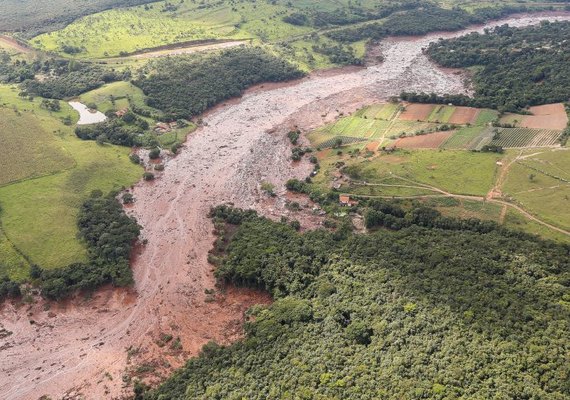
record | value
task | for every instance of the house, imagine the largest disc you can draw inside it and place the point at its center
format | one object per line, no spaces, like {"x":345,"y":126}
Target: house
{"x":346,"y":201}
{"x":121,"y":113}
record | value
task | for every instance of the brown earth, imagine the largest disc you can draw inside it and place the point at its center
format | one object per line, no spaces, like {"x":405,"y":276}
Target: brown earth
{"x":549,"y":116}
{"x":89,"y":347}
{"x":429,"y":141}
{"x":7,"y":41}
{"x":417,"y":112}
{"x":464,"y":115}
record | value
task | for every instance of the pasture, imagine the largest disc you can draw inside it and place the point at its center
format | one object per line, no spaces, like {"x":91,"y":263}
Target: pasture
{"x":39,"y":210}
{"x":540,"y":182}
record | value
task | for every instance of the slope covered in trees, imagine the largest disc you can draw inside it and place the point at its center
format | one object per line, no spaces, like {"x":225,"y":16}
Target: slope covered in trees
{"x":516,"y":67}
{"x":183,"y":87}
{"x":33,"y":17}
{"x":420,"y":312}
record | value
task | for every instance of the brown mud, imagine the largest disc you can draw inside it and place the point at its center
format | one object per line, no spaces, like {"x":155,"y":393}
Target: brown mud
{"x":92,"y":346}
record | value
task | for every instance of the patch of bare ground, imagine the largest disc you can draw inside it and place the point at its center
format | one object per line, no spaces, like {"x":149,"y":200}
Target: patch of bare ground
{"x":428,"y":141}
{"x":94,"y":346}
{"x":549,"y":116}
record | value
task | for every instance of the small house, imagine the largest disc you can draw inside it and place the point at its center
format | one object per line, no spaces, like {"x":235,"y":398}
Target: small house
{"x":346,"y":201}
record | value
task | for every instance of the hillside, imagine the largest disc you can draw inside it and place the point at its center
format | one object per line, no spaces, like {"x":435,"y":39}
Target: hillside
{"x":427,"y":312}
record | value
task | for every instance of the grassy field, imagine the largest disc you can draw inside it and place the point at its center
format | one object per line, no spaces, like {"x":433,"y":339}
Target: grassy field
{"x":463,"y":138}
{"x":127,"y":30}
{"x":29,"y":150}
{"x":114,"y":96}
{"x":38,"y":213}
{"x":458,"y":172}
{"x":539,"y":192}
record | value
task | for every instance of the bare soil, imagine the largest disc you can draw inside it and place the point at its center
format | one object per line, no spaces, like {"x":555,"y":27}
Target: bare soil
{"x":549,"y":116}
{"x":429,"y":141}
{"x":91,"y":347}
{"x":417,"y":112}
{"x":464,"y":115}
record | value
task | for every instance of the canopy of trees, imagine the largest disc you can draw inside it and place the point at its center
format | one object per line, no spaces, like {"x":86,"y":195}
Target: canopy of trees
{"x":421,"y":19}
{"x":432,"y":310}
{"x":518,"y":67}
{"x":122,"y":131}
{"x":109,"y":235}
{"x":183,"y":87}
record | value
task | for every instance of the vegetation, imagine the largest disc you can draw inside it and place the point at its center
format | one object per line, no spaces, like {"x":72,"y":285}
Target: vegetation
{"x":122,"y":131}
{"x":420,"y":18}
{"x":517,"y":67}
{"x":183,"y":87}
{"x":48,"y":174}
{"x":109,"y":234}
{"x":390,"y":314}
{"x":34,"y":17}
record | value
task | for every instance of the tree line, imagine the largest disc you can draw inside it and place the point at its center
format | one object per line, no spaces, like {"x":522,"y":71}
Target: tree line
{"x":183,"y":87}
{"x":108,"y":234}
{"x":423,"y":19}
{"x":517,"y":67}
{"x":419,"y":312}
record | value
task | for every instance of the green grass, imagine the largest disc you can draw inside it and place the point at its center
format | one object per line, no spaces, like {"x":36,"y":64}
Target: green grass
{"x":120,"y":92}
{"x":38,"y":215}
{"x":29,"y":149}
{"x":127,"y":30}
{"x":463,"y":138}
{"x":458,"y":172}
{"x":514,"y":220}
{"x":486,"y":116}
{"x":543,"y":196}
{"x":379,"y":111}
{"x":441,"y":114}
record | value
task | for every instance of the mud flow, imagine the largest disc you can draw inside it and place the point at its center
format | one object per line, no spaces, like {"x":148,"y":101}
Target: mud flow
{"x":91,"y":346}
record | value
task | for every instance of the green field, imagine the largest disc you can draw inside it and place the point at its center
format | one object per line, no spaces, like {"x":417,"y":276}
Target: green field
{"x":463,"y":138}
{"x":38,"y":212}
{"x":441,"y":114}
{"x":29,"y":150}
{"x":539,"y":192}
{"x":114,"y":96}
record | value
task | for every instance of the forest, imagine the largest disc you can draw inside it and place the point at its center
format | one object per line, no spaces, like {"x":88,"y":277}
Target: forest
{"x":60,"y":78}
{"x":514,"y":67}
{"x":422,"y":20}
{"x":109,"y":235}
{"x":31,"y":17}
{"x":428,"y":310}
{"x":183,"y":87}
{"x":123,"y":131}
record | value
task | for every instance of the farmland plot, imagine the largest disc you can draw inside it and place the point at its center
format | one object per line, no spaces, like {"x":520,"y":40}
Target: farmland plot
{"x":523,"y":137}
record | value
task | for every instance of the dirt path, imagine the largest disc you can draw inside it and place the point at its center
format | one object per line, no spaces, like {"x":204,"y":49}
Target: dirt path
{"x":7,"y":41}
{"x":92,"y":346}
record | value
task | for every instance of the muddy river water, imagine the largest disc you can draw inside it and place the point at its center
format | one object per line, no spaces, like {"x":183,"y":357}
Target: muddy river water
{"x":83,"y":347}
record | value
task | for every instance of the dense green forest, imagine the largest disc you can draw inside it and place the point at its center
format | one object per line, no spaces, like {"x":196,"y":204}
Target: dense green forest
{"x":127,"y":130}
{"x":514,"y":67}
{"x":422,"y":20}
{"x":183,"y":87}
{"x":109,"y":235}
{"x":32,"y":17}
{"x":60,"y":78}
{"x":416,"y":312}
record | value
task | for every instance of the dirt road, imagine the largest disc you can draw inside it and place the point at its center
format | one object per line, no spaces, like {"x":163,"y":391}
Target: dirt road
{"x":93,"y":347}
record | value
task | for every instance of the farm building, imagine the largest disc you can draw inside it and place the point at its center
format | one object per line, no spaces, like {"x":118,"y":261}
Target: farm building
{"x":346,"y":201}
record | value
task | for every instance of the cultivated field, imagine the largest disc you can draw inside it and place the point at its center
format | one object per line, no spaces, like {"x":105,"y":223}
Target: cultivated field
{"x":523,"y":137}
{"x":429,"y":141}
